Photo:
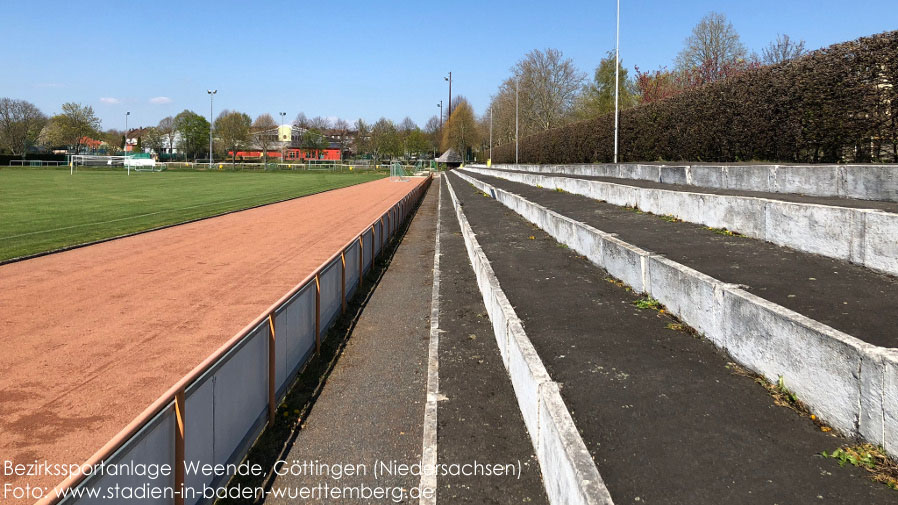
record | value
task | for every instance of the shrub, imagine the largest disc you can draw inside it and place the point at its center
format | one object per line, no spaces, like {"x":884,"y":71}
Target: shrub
{"x":837,"y":104}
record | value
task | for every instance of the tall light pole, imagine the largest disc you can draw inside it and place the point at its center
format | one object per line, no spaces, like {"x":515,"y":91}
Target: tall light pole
{"x":211,"y":98}
{"x":517,"y":85}
{"x":616,"y":80}
{"x":450,"y":92}
{"x":126,"y":129}
{"x":284,"y":149}
{"x":491,"y":134}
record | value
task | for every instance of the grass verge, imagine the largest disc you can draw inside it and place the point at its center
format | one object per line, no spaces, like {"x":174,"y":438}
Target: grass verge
{"x":46,"y":210}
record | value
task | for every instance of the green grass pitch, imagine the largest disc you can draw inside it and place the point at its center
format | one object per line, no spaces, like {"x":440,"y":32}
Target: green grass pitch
{"x":44,"y":210}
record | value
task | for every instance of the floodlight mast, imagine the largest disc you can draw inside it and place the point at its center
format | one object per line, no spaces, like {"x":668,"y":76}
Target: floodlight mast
{"x":616,"y":81}
{"x":126,"y":138}
{"x":211,"y":98}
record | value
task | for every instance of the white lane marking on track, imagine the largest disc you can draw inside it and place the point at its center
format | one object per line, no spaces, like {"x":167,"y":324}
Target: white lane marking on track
{"x":429,"y":450}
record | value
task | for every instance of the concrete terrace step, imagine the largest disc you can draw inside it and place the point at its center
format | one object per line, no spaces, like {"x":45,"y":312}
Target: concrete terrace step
{"x":845,"y":381}
{"x":478,"y":416}
{"x":663,"y":417}
{"x":832,"y":201}
{"x":864,"y":182}
{"x":847,"y":297}
{"x":854,"y":231}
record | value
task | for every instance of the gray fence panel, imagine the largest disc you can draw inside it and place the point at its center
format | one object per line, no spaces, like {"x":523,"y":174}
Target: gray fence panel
{"x":330,"y":282}
{"x":300,"y":328}
{"x":154,"y":444}
{"x":241,"y":393}
{"x":199,"y":433}
{"x":351,"y":254}
{"x":281,"y":369}
{"x":368,"y":239}
{"x":378,"y":237}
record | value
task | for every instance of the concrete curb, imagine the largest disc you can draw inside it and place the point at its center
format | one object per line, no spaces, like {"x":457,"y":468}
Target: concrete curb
{"x":864,"y":182}
{"x":569,"y":473}
{"x":429,"y":443}
{"x":848,"y":383}
{"x":862,"y":236}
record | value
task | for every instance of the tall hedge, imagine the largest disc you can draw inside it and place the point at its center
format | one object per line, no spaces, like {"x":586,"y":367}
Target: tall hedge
{"x":837,"y":104}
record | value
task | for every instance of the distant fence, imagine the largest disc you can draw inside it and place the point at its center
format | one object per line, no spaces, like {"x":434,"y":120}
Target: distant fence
{"x":214,"y":414}
{"x":837,"y":104}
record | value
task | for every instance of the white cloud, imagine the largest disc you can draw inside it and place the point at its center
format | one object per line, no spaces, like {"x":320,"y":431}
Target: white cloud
{"x":110,"y":100}
{"x":159,"y":100}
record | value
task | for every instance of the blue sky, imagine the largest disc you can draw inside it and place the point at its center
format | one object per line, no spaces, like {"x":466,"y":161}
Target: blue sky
{"x":353,"y":58}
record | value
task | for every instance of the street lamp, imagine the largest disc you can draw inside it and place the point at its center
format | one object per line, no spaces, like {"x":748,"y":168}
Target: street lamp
{"x":616,"y":79}
{"x":450,"y":92}
{"x":211,"y":98}
{"x":517,"y":85}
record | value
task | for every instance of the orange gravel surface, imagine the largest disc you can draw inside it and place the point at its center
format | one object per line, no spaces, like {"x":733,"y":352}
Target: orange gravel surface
{"x":91,"y":337}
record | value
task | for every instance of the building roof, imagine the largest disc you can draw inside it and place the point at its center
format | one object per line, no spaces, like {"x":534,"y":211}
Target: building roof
{"x":449,"y":156}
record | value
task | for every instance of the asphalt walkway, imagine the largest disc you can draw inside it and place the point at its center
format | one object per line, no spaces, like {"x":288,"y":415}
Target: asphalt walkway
{"x":372,"y":407}
{"x":665,"y":419}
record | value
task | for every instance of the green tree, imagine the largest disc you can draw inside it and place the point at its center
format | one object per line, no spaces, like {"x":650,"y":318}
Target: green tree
{"x":597,"y":97}
{"x":72,"y":127}
{"x":193,"y":130}
{"x":232,"y":130}
{"x":313,"y":140}
{"x":384,"y":139}
{"x":417,"y":142}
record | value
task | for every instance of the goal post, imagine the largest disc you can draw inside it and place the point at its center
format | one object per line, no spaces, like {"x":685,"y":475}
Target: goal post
{"x":138,"y":162}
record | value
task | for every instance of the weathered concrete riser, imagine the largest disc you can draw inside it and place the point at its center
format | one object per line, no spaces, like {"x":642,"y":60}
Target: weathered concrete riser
{"x":848,"y":383}
{"x":569,"y":473}
{"x":862,"y":236}
{"x":863,"y":182}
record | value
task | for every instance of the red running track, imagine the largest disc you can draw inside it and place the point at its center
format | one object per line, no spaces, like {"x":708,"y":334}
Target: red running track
{"x":90,"y":337}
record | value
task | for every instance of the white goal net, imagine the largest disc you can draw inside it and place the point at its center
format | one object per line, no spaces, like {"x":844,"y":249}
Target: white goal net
{"x":137,"y":162}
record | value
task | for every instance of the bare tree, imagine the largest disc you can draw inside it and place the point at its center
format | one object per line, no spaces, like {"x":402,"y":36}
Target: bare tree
{"x":154,"y":139}
{"x":168,"y":129}
{"x":407,"y":125}
{"x":301,"y":120}
{"x":319,"y":123}
{"x":782,"y":49}
{"x":502,"y":105}
{"x":264,"y":132}
{"x":432,"y":130}
{"x":341,"y":128}
{"x":20,"y":125}
{"x":713,"y":44}
{"x":232,"y":129}
{"x":362,"y":137}
{"x":461,"y":132}
{"x":548,"y":86}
